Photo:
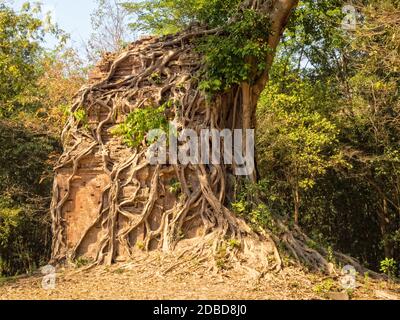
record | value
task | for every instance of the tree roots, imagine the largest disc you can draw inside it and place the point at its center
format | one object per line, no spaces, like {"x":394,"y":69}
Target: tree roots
{"x":137,"y":209}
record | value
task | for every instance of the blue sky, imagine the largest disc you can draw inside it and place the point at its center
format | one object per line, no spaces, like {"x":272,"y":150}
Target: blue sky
{"x":73,"y":16}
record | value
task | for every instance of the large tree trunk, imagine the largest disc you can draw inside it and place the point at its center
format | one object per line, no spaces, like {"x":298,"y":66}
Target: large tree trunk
{"x":383,"y":218}
{"x":109,"y":203}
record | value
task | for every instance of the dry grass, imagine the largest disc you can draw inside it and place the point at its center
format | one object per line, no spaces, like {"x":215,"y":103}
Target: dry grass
{"x":134,"y":281}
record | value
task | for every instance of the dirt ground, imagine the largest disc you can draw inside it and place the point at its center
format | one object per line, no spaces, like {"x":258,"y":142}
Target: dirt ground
{"x":131,"y":281}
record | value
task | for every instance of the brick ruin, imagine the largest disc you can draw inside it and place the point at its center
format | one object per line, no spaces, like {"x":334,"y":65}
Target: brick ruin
{"x":109,"y":204}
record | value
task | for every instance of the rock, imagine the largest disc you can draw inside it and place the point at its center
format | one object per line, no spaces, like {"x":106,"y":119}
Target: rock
{"x":331,"y":269}
{"x":338,"y":296}
{"x":385,"y":295}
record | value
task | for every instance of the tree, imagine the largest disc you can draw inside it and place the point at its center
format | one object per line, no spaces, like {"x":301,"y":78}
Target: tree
{"x":354,"y":88}
{"x":210,"y":75}
{"x":25,"y":226}
{"x":111,"y":31}
{"x":162,"y":17}
{"x":297,"y":144}
{"x":63,"y":73}
{"x":34,"y":84}
{"x":21,"y":43}
{"x":372,"y":125}
{"x":20,"y":37}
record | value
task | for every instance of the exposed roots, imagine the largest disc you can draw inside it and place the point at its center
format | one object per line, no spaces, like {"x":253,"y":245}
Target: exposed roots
{"x":137,"y":211}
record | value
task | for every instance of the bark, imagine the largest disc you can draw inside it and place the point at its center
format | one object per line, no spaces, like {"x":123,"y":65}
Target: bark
{"x":296,"y":199}
{"x":384,"y":221}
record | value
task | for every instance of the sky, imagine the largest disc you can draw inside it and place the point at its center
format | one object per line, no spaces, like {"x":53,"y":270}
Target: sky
{"x":72,"y":16}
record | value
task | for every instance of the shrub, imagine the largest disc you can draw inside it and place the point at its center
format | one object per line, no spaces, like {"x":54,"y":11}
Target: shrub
{"x":25,"y":186}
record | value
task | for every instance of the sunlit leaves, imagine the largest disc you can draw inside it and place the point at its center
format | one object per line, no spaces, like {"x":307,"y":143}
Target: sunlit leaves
{"x":139,"y":122}
{"x":170,"y":16}
{"x":238,"y":54}
{"x":21,"y":36}
{"x":294,"y":135}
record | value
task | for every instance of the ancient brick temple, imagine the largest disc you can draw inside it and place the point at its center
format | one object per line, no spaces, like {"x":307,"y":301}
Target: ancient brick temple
{"x":85,"y":188}
{"x":87,"y":218}
{"x":109,"y":203}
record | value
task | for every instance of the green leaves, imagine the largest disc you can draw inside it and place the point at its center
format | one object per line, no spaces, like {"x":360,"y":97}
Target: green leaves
{"x":175,"y":187}
{"x":389,"y":267}
{"x":170,"y":16}
{"x":139,"y":122}
{"x":9,"y":218}
{"x":294,"y":135}
{"x":21,"y":37}
{"x":329,"y":123}
{"x":25,"y":184}
{"x":249,"y":206}
{"x":236,"y":55}
{"x":81,"y":117}
{"x":213,"y":85}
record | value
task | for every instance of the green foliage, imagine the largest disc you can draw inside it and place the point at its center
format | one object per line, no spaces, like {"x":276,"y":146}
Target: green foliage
{"x":62,"y":75}
{"x":34,"y":85}
{"x":294,"y":131}
{"x":313,"y":244}
{"x":82,"y":262}
{"x":220,"y":263}
{"x":325,"y":286}
{"x":175,"y":187}
{"x":389,"y":267}
{"x":80,"y":116}
{"x":156,"y":78}
{"x":238,"y":54}
{"x":139,"y":122}
{"x":297,"y":143}
{"x":371,"y":125}
{"x":24,"y":238}
{"x":17,"y":144}
{"x":166,"y":17}
{"x":140,"y":245}
{"x":314,"y":39}
{"x":234,"y":55}
{"x":221,"y":260}
{"x":27,"y":146}
{"x":234,"y":244}
{"x":24,"y":198}
{"x":120,"y":271}
{"x":21,"y":36}
{"x":19,"y":51}
{"x":328,"y":124}
{"x":252,"y":204}
{"x":10,"y":218}
{"x":330,"y":254}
